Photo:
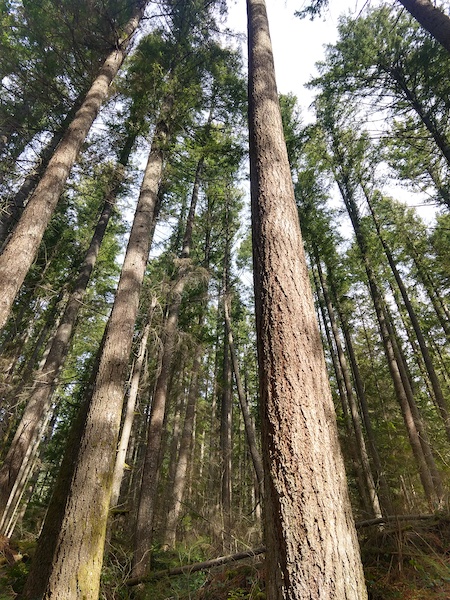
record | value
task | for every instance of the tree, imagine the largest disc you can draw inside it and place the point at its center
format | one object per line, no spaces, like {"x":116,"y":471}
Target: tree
{"x":20,"y":251}
{"x":304,"y":474}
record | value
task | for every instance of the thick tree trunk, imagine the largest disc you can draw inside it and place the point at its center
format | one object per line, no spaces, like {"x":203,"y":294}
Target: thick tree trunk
{"x":71,"y":558}
{"x":19,"y":253}
{"x":432,"y":18}
{"x":40,"y":400}
{"x":312,"y":549}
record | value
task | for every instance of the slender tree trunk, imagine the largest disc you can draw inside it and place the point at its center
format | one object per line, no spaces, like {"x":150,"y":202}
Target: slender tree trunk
{"x":350,"y":439}
{"x":129,"y":416}
{"x":70,"y":556}
{"x":396,"y":367}
{"x":312,"y":549}
{"x":424,"y":115}
{"x":150,"y":473}
{"x":226,"y":411}
{"x":432,"y":18}
{"x":436,"y":299}
{"x":180,"y":478}
{"x":378,"y":467}
{"x":248,"y":423}
{"x":19,"y":253}
{"x":356,"y":421}
{"x":46,"y":379}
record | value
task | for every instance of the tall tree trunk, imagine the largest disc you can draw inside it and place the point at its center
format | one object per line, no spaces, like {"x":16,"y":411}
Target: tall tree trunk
{"x":70,"y":556}
{"x":226,"y":408}
{"x":180,"y":478}
{"x":150,"y":473}
{"x":19,"y":253}
{"x":39,"y":402}
{"x":360,"y":388}
{"x":350,"y":439}
{"x":129,"y":415}
{"x":312,"y":549}
{"x":432,"y":18}
{"x":396,"y":368}
{"x":424,"y":115}
{"x":433,"y":293}
{"x":248,"y":423}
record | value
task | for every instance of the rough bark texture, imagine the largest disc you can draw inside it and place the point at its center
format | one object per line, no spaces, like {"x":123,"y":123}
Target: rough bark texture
{"x":73,"y":570}
{"x":21,"y":249}
{"x":432,"y":18}
{"x":312,"y":549}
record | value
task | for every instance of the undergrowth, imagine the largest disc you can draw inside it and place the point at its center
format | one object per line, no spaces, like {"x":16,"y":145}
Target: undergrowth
{"x":401,"y":562}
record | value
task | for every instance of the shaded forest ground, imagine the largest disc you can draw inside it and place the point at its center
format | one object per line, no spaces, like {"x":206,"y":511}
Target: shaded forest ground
{"x":404,"y":561}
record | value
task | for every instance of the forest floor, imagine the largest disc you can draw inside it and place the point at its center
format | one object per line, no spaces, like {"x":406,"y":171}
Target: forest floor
{"x":408,"y":561}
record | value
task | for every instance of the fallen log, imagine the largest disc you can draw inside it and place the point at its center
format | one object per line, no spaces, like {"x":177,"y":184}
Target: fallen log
{"x":202,"y":566}
{"x":215,"y":562}
{"x":394,"y":518}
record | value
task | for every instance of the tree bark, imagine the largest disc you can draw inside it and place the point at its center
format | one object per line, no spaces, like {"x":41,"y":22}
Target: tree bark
{"x":432,"y":18}
{"x":19,"y":253}
{"x":312,"y":549}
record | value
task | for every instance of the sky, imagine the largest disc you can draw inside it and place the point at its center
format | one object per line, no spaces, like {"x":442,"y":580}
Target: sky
{"x":298,"y":44}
